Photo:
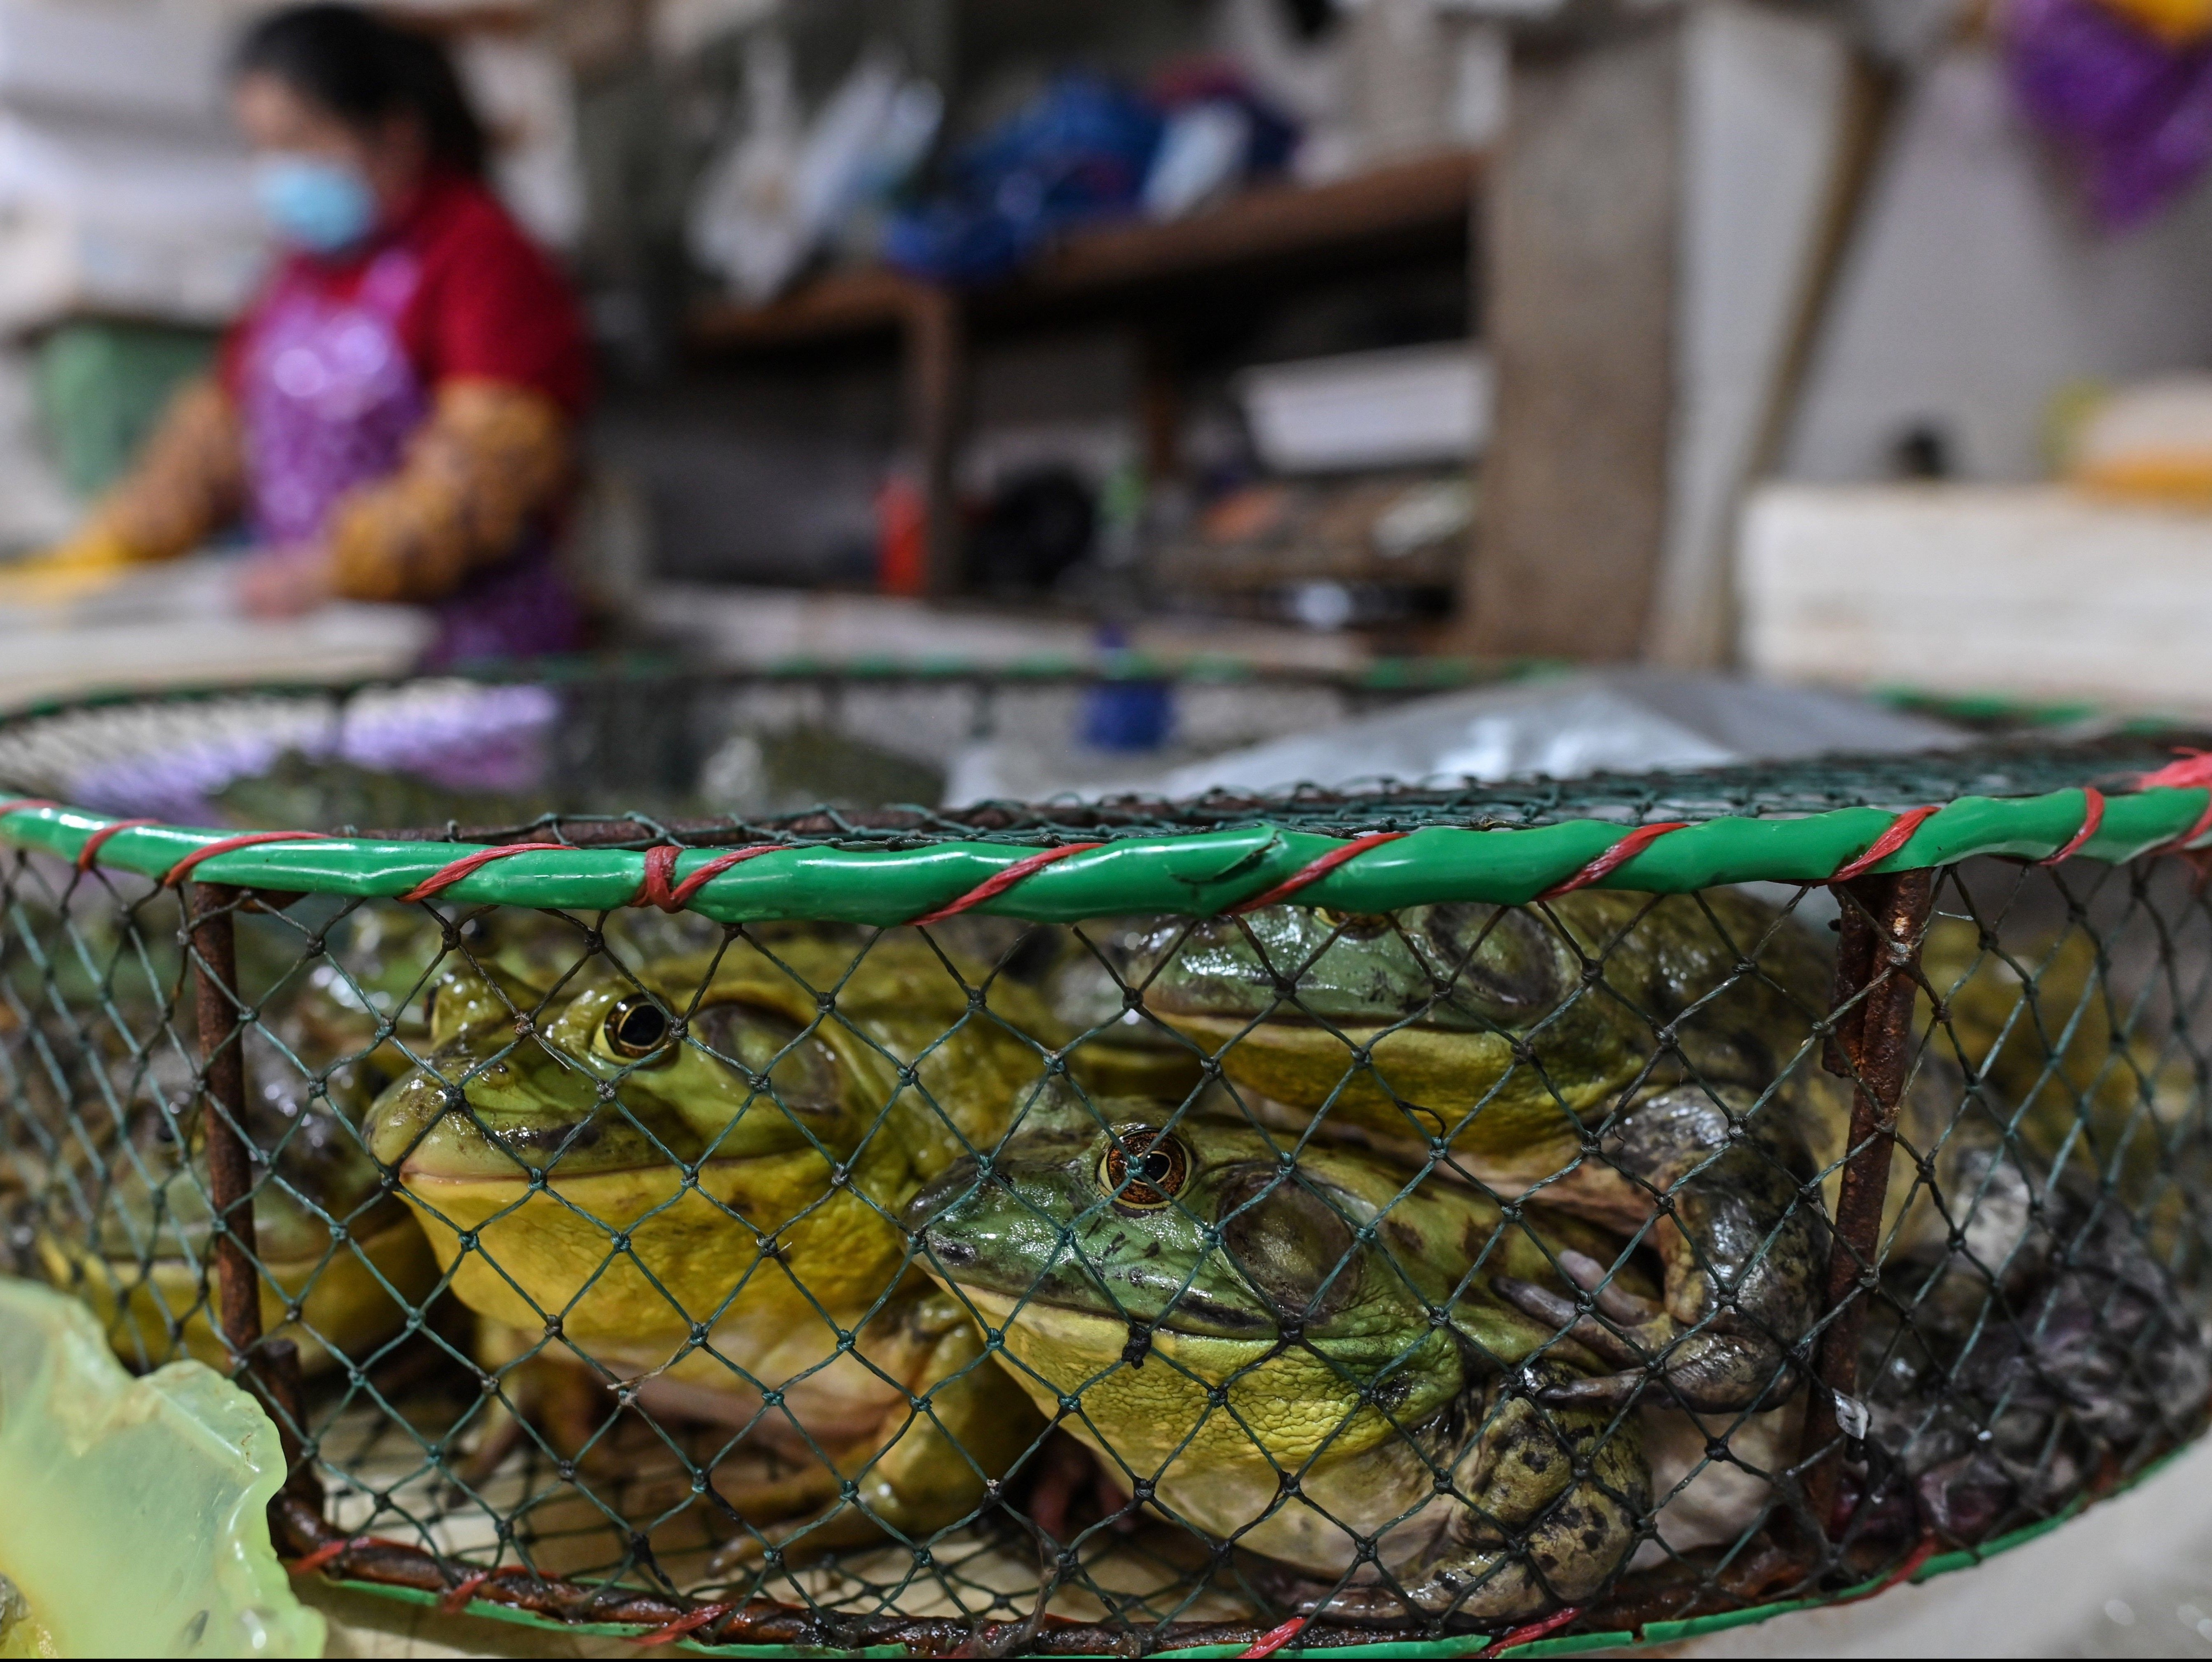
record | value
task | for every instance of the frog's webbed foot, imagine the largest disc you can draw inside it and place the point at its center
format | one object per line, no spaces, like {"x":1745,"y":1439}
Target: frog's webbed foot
{"x":1545,"y":1509}
{"x":1710,"y":1371}
{"x":1742,"y":1242}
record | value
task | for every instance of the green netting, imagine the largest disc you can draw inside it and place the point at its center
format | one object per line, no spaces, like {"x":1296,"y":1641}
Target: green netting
{"x":1541,"y":1215}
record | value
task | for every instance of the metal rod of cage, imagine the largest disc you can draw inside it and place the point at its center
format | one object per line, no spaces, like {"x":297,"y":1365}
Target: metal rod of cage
{"x":1883,"y":921}
{"x":269,"y":1367}
{"x":210,"y":908}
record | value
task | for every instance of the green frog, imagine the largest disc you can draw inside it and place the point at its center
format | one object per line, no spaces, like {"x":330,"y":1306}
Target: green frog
{"x":1603,"y":1052}
{"x":688,"y":1180}
{"x":1311,"y":1359}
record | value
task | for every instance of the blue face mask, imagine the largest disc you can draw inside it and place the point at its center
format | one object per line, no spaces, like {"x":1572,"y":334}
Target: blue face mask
{"x":322,"y":206}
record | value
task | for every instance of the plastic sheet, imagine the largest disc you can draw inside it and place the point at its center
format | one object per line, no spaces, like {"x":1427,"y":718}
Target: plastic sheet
{"x":134,"y":1523}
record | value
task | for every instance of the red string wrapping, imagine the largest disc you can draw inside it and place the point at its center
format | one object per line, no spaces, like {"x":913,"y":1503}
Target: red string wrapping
{"x":1315,"y":870}
{"x":1898,"y":834}
{"x":1274,"y":1639}
{"x":331,"y":1549}
{"x":996,"y":884}
{"x":88,"y":856}
{"x":1530,"y":1633}
{"x":1904,"y":1572}
{"x":456,"y":1598}
{"x":446,"y":876}
{"x":672,"y":1632}
{"x":2203,"y":824}
{"x":2192,"y":772}
{"x":2092,"y":815}
{"x":24,"y":805}
{"x":1614,"y":857}
{"x":660,"y":868}
{"x":184,"y":868}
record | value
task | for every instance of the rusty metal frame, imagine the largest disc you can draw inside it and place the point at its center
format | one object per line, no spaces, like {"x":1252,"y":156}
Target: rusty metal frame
{"x":1882,"y":923}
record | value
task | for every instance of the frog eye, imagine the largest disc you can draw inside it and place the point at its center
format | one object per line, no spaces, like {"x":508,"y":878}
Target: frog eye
{"x":636,"y":1027}
{"x":1144,"y":1169}
{"x":1354,"y":926}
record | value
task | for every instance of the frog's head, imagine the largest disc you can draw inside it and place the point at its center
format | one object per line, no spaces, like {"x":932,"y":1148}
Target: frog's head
{"x":619,"y":1074}
{"x":621,"y":1149}
{"x":1452,"y":966}
{"x":1147,"y":1220}
{"x":1137,"y":1257}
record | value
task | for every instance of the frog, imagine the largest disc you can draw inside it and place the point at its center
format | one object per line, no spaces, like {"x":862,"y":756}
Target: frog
{"x":686,"y":1178}
{"x":2074,"y":1067}
{"x":343,"y":1266}
{"x":1513,"y":1048}
{"x":2009,"y":1366}
{"x":1303,"y":1356}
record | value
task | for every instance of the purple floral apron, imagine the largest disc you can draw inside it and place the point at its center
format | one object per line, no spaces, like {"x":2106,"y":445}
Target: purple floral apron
{"x":331,"y":400}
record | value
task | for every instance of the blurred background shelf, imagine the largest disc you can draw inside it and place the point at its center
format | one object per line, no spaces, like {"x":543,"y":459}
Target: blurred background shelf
{"x":1269,"y":233}
{"x":1162,"y":280}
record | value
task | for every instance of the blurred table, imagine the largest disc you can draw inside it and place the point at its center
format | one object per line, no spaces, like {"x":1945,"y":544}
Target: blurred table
{"x":176,"y":624}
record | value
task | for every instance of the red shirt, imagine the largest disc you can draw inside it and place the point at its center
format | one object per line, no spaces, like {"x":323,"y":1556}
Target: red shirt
{"x":488,"y":305}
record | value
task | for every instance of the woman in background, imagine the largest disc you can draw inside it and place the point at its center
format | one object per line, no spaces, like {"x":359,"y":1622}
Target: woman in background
{"x":394,"y":417}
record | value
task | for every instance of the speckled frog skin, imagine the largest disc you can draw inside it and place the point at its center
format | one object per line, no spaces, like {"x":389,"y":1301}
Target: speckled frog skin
{"x":693,"y":1175}
{"x":1603,"y":1050}
{"x":1221,"y":1320}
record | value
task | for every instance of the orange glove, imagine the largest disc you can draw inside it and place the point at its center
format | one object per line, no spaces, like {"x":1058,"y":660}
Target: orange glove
{"x":83,"y":564}
{"x":2177,"y":22}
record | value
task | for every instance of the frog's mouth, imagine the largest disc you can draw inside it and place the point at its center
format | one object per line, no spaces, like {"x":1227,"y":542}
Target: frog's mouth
{"x":1089,"y":1329}
{"x":1076,"y":1296}
{"x":1364,"y":1024}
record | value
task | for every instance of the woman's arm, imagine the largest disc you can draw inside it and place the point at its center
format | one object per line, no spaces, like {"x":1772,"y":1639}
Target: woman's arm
{"x":491,"y":459}
{"x":187,"y":484}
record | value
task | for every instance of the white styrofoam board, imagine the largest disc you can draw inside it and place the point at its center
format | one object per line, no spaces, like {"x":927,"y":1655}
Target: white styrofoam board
{"x":177,"y":624}
{"x":2033,"y":590}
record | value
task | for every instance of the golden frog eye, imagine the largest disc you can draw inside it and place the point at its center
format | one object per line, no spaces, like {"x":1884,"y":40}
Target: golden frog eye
{"x":636,"y":1027}
{"x":1144,"y":1169}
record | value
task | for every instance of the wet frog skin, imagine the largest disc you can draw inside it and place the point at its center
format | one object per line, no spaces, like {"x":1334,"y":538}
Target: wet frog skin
{"x":1220,"y":1319}
{"x":1521,"y":1040}
{"x":690,"y":1180}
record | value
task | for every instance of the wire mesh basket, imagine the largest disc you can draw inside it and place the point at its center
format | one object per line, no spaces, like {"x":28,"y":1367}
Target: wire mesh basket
{"x":1519,"y":1218}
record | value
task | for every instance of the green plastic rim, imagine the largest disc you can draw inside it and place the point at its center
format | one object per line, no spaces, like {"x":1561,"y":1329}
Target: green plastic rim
{"x":1197,"y":874}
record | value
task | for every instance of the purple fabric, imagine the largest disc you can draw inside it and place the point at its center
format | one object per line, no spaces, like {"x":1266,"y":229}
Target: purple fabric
{"x":2135,"y":111}
{"x":522,"y":607}
{"x":329,"y":397}
{"x":330,"y":401}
